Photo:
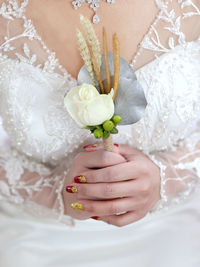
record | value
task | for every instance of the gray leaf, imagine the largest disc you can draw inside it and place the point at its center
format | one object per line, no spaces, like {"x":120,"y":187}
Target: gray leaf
{"x":130,"y":102}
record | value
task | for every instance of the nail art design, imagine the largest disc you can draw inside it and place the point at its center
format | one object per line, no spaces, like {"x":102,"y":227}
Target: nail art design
{"x":77,"y":206}
{"x":90,"y":146}
{"x":71,"y":189}
{"x":96,"y":218}
{"x":80,"y":179}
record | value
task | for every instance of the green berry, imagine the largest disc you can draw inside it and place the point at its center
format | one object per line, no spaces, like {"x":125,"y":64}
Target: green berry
{"x":116,"y":119}
{"x":98,"y":133}
{"x":108,"y":125}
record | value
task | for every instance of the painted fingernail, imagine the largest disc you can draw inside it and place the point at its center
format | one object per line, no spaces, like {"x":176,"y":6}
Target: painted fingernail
{"x":80,"y":179}
{"x":77,"y":206}
{"x":116,"y":145}
{"x":90,"y":146}
{"x":96,"y":218}
{"x":71,"y":189}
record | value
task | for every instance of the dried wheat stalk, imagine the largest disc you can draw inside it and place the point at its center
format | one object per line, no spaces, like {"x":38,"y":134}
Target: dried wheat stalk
{"x":105,"y":51}
{"x":116,"y":51}
{"x":97,"y":71}
{"x":85,"y":54}
{"x":92,"y":39}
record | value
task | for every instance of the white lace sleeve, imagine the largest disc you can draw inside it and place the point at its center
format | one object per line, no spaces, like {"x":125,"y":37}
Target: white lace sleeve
{"x":37,"y":187}
{"x":179,"y":170}
{"x":178,"y":156}
{"x":26,"y":180}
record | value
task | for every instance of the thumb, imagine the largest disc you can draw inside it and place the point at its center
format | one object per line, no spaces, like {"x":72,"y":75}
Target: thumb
{"x":96,"y":147}
{"x":93,"y":147}
{"x":125,"y":150}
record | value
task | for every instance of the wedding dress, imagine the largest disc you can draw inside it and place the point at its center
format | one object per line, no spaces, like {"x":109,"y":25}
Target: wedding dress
{"x":39,"y":140}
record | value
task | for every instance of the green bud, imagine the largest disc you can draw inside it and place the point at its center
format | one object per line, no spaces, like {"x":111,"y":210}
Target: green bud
{"x":98,"y":133}
{"x":99,"y":127}
{"x":114,"y":131}
{"x":108,"y":125}
{"x":106,"y":134}
{"x":91,"y":128}
{"x":116,"y":119}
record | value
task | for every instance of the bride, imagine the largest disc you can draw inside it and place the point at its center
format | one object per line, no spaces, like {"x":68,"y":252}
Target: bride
{"x":62,"y":196}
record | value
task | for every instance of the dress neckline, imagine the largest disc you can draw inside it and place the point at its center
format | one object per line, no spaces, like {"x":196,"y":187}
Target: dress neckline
{"x":66,"y":73}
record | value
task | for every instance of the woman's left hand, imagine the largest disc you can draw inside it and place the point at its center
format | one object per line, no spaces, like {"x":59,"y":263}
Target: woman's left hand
{"x":121,"y":194}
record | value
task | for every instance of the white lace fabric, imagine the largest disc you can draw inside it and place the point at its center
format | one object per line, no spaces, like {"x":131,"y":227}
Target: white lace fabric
{"x":42,"y":134}
{"x":180,"y":170}
{"x":32,"y":185}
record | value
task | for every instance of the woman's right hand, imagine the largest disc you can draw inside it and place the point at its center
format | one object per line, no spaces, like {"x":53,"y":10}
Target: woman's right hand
{"x":83,"y":163}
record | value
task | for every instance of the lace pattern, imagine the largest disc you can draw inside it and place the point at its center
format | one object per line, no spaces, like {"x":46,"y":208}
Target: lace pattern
{"x":12,"y":10}
{"x":172,"y":21}
{"x":32,"y":184}
{"x":32,"y":86}
{"x":179,"y":169}
{"x":168,"y":83}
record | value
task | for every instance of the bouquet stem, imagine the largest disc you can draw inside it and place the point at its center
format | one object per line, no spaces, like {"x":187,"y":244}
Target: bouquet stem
{"x":108,"y":144}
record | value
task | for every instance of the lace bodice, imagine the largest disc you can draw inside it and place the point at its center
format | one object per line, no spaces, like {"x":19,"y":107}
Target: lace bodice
{"x":42,"y":135}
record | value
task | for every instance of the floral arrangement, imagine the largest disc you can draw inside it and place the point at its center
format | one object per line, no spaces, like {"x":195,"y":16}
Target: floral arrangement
{"x":108,"y":92}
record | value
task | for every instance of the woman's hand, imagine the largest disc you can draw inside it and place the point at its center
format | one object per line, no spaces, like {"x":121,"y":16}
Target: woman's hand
{"x":131,"y":187}
{"x":83,"y":166}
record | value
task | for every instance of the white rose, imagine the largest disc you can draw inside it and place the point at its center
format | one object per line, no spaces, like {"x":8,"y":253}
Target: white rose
{"x":87,"y":107}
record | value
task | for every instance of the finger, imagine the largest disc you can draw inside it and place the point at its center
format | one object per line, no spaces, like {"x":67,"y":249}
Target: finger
{"x":96,"y":147}
{"x":125,"y":150}
{"x":98,"y":159}
{"x":124,"y":219}
{"x":93,"y":147}
{"x":106,"y":190}
{"x":108,"y":207}
{"x":121,"y":172}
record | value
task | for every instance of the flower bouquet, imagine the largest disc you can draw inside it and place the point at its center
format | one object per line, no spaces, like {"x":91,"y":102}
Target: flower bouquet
{"x":108,"y":92}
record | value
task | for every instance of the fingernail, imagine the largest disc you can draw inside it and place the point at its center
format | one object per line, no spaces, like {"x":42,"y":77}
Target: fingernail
{"x":116,"y":145}
{"x":80,"y":179}
{"x":96,"y":218}
{"x":71,"y":189}
{"x":77,"y":206}
{"x":90,"y":146}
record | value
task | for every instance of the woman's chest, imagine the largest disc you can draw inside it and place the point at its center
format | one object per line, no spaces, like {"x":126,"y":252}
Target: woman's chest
{"x":57,"y":21}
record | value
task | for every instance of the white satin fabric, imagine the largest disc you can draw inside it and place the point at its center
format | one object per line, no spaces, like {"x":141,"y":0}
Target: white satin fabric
{"x":170,"y":238}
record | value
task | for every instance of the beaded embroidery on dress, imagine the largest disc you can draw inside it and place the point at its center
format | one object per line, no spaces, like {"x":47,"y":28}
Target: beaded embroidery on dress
{"x":42,"y":134}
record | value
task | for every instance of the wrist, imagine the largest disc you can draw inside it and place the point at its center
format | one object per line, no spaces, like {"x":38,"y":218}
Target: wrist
{"x":162,"y":199}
